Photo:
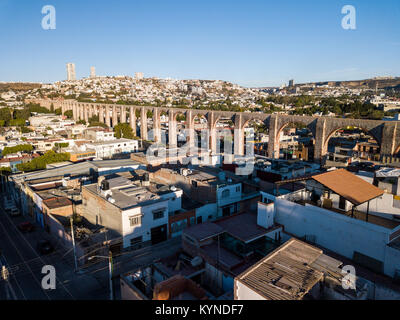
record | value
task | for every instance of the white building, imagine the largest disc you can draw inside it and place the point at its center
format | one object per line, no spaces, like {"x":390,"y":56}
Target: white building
{"x":137,"y":210}
{"x":71,"y":75}
{"x":99,"y":134}
{"x":323,"y":213}
{"x":92,"y":72}
{"x":138,"y":75}
{"x":106,"y":149}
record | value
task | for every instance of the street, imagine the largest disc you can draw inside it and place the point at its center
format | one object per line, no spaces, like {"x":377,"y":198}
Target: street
{"x":24,"y":263}
{"x":25,"y":267}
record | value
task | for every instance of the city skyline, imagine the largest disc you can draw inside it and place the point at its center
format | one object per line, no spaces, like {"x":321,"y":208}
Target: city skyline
{"x":254,"y":44}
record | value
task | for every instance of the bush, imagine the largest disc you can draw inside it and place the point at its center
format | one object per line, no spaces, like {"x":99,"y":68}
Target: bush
{"x":41,"y":162}
{"x":19,"y":148}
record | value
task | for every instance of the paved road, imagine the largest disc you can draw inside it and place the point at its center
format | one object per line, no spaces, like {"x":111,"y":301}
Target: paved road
{"x":18,"y":252}
{"x":130,"y":261}
{"x":25,"y":264}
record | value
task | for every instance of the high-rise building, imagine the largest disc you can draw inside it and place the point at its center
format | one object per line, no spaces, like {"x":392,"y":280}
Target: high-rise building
{"x":92,"y":72}
{"x":71,"y":71}
{"x":291,"y":83}
{"x":138,"y":75}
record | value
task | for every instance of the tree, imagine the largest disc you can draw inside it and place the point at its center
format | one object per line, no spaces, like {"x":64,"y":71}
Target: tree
{"x":41,"y":162}
{"x":123,"y":130}
{"x":68,"y":114}
{"x":18,"y":148}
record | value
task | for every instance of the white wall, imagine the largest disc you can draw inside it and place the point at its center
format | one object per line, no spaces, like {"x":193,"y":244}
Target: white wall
{"x":174,"y":200}
{"x":243,"y":292}
{"x":207,"y":210}
{"x":265,"y":215}
{"x":392,"y":261}
{"x":333,"y":231}
{"x":148,"y":222}
{"x":234,"y":196}
{"x":382,"y":206}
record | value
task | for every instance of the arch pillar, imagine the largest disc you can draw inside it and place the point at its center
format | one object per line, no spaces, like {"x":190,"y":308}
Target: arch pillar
{"x":212,"y":133}
{"x":123,"y":114}
{"x":388,"y":143}
{"x":156,"y":125}
{"x":172,"y":139}
{"x":86,"y":112}
{"x":75,"y":111}
{"x":132,"y":119}
{"x":320,"y":149}
{"x":101,"y":114}
{"x":190,"y":129}
{"x":81,"y":112}
{"x":238,"y":136}
{"x":273,"y":146}
{"x":114,"y":116}
{"x":107,"y":110}
{"x":143,"y":123}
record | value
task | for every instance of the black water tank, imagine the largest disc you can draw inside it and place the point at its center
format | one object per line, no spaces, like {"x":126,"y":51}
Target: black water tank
{"x":105,"y":185}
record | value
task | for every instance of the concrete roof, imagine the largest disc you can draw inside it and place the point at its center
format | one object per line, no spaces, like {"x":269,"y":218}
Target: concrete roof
{"x":58,"y":202}
{"x":349,"y":186}
{"x":203,"y":231}
{"x":243,"y":227}
{"x":81,"y":168}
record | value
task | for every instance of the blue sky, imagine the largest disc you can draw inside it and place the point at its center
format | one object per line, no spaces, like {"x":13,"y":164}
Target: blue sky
{"x":252,"y":42}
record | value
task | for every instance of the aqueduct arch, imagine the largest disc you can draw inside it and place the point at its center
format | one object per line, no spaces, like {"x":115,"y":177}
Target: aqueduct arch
{"x":387,"y":133}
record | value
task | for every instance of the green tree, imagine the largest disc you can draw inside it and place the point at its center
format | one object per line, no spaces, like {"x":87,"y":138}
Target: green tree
{"x":123,"y":130}
{"x":40,"y":163}
{"x":18,"y":148}
{"x":68,"y":114}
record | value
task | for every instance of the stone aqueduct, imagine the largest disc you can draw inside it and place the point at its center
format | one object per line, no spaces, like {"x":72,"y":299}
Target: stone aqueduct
{"x":386,"y":133}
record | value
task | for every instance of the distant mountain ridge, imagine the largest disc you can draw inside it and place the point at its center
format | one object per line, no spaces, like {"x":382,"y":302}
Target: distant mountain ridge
{"x":18,"y":86}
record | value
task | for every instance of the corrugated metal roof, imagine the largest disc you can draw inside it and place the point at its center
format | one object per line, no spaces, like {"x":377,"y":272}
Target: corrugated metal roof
{"x":285,"y":274}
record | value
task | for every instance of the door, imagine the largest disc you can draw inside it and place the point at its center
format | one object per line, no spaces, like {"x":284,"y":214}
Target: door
{"x":342,"y":203}
{"x":158,"y":234}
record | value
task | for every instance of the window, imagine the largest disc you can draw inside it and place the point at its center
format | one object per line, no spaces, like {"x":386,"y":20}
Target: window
{"x":238,"y":189}
{"x":158,"y":214}
{"x":135,"y":221}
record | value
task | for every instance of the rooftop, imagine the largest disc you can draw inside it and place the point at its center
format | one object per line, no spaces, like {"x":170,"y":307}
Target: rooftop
{"x":289,"y":272}
{"x":57,"y":202}
{"x":349,"y":186}
{"x":243,"y":227}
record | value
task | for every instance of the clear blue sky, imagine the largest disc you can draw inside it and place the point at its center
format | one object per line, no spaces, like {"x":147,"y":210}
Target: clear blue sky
{"x":252,"y":42}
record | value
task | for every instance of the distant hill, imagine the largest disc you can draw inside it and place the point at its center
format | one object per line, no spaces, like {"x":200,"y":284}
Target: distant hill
{"x":18,"y":86}
{"x":380,"y":83}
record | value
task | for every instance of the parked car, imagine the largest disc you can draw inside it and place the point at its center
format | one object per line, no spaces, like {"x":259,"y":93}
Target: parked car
{"x":45,"y":247}
{"x":26,"y":227}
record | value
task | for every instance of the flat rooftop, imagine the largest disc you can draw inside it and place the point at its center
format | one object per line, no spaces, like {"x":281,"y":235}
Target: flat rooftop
{"x":243,"y":227}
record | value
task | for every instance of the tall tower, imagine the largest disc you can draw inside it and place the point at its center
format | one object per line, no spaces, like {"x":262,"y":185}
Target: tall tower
{"x":92,"y":72}
{"x":71,"y":71}
{"x":138,"y":75}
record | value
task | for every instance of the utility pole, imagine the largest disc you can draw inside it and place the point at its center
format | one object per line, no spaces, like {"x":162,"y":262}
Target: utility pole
{"x":5,"y":274}
{"x":73,"y":241}
{"x":110,"y":263}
